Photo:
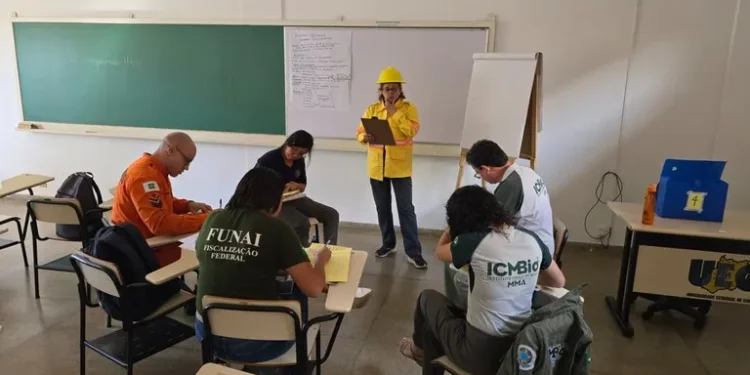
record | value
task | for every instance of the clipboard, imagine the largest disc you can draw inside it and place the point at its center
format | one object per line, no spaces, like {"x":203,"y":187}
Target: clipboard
{"x":380,"y":129}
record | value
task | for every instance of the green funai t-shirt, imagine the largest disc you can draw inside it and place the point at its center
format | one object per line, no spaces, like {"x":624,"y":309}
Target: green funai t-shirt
{"x":240,"y":252}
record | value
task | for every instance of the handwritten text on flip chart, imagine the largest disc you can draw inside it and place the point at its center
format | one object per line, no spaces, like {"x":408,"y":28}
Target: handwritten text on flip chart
{"x":321,"y":69}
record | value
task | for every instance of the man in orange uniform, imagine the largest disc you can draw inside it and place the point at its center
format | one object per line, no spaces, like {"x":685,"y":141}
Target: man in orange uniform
{"x":144,"y":195}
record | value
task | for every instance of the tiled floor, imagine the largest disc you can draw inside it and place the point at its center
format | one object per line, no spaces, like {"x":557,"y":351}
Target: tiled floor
{"x":41,"y":336}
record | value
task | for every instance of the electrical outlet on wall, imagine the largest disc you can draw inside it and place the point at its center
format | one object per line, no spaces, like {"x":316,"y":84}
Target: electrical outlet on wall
{"x":604,"y":230}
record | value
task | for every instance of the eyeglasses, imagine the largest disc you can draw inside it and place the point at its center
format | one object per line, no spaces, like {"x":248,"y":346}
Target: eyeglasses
{"x":298,"y":152}
{"x":184,"y":157}
{"x":478,"y":174}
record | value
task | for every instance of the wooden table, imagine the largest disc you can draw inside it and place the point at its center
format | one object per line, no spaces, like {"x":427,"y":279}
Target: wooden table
{"x":18,"y":184}
{"x":676,"y":258}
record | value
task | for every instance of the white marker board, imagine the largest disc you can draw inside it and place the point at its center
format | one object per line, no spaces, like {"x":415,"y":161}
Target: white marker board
{"x":498,"y":101}
{"x":436,"y":64}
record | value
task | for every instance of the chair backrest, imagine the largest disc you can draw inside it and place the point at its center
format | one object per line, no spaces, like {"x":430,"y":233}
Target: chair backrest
{"x":561,"y":234}
{"x":101,"y":275}
{"x":56,"y":211}
{"x":251,"y":319}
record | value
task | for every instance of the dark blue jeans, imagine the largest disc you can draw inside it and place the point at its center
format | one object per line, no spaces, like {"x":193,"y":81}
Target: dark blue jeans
{"x":253,"y":351}
{"x":381,"y":192}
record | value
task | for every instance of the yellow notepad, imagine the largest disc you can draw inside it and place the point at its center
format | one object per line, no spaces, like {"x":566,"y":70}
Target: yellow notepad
{"x":337,"y":269}
{"x":291,"y":192}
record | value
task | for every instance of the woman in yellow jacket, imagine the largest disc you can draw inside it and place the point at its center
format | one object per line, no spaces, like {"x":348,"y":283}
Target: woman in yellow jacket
{"x":392,"y":165}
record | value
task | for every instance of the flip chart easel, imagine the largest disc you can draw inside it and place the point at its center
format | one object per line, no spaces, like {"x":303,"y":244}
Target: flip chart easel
{"x":505,"y":92}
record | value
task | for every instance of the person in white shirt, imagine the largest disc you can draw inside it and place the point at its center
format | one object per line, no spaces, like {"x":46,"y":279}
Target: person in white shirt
{"x":520,"y":190}
{"x":504,"y":263}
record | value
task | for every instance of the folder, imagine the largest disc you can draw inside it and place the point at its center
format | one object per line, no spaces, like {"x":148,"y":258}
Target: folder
{"x":380,"y":129}
{"x":337,"y":269}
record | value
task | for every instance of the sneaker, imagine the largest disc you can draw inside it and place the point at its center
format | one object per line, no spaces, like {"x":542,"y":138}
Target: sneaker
{"x":417,"y":262}
{"x":384,"y":252}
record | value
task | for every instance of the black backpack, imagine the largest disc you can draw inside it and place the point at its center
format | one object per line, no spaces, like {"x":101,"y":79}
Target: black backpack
{"x":124,"y":246}
{"x":81,"y":186}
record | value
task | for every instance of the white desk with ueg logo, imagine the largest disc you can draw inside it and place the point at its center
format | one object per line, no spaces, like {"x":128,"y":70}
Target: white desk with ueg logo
{"x":683,"y":259}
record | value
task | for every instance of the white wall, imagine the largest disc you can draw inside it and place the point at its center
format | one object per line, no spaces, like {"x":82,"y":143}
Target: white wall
{"x":626,"y":84}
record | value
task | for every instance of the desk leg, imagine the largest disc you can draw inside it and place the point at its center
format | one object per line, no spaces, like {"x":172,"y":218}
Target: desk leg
{"x":628,"y":297}
{"x":26,"y":221}
{"x":617,"y":306}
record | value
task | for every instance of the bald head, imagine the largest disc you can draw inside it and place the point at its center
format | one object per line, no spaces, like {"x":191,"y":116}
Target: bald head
{"x":177,"y":150}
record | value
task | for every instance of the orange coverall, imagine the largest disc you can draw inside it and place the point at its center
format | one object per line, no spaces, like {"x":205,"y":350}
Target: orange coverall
{"x":144,"y":198}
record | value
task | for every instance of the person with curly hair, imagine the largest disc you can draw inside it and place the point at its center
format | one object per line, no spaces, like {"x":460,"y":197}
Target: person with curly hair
{"x":504,"y":263}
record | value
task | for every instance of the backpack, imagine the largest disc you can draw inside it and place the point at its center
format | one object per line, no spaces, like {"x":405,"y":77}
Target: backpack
{"x":81,"y":186}
{"x":124,"y":246}
{"x":555,"y":340}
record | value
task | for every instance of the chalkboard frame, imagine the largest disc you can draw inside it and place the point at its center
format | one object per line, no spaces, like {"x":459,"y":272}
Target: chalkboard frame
{"x":245,"y":139}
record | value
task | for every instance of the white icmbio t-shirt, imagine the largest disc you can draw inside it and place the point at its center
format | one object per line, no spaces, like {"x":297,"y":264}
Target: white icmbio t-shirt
{"x":523,"y":193}
{"x":503,"y":271}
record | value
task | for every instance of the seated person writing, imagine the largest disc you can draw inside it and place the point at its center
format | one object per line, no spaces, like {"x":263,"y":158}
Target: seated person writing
{"x":288,"y":162}
{"x":240,"y":251}
{"x":505,"y":262}
{"x":144,"y":196}
{"x":520,"y":190}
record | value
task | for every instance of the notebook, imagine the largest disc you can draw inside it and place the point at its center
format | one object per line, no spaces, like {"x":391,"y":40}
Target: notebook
{"x":337,"y":269}
{"x":292,"y":195}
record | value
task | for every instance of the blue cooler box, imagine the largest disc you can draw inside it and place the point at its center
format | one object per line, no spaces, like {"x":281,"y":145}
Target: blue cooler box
{"x":692,"y":190}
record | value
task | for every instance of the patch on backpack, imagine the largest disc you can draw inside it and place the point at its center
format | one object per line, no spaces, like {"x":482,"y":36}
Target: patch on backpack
{"x":150,"y":186}
{"x":554,"y":353}
{"x":526,"y":358}
{"x":155,"y":200}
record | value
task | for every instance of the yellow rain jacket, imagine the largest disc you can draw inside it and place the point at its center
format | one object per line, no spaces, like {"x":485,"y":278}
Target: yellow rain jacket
{"x":395,"y":161}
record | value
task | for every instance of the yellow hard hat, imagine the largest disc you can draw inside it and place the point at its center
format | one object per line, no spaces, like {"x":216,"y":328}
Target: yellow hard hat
{"x":390,"y":75}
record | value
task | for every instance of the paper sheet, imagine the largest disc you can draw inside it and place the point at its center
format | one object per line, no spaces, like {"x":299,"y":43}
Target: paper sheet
{"x":337,"y":269}
{"x":321,"y":69}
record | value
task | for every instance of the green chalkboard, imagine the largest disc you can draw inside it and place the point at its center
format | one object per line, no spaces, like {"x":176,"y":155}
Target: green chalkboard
{"x":193,"y":77}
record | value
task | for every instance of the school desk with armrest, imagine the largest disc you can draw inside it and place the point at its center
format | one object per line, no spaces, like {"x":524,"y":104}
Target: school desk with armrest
{"x":17,"y":184}
{"x":216,"y":369}
{"x":341,"y":297}
{"x":188,"y":262}
{"x":675,"y":260}
{"x":166,"y":240}
{"x":542,"y":297}
{"x":279,"y":320}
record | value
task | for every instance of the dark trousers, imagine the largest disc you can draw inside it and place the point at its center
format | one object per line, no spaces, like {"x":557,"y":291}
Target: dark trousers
{"x":297,"y":214}
{"x":381,"y":192}
{"x":440,"y":328}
